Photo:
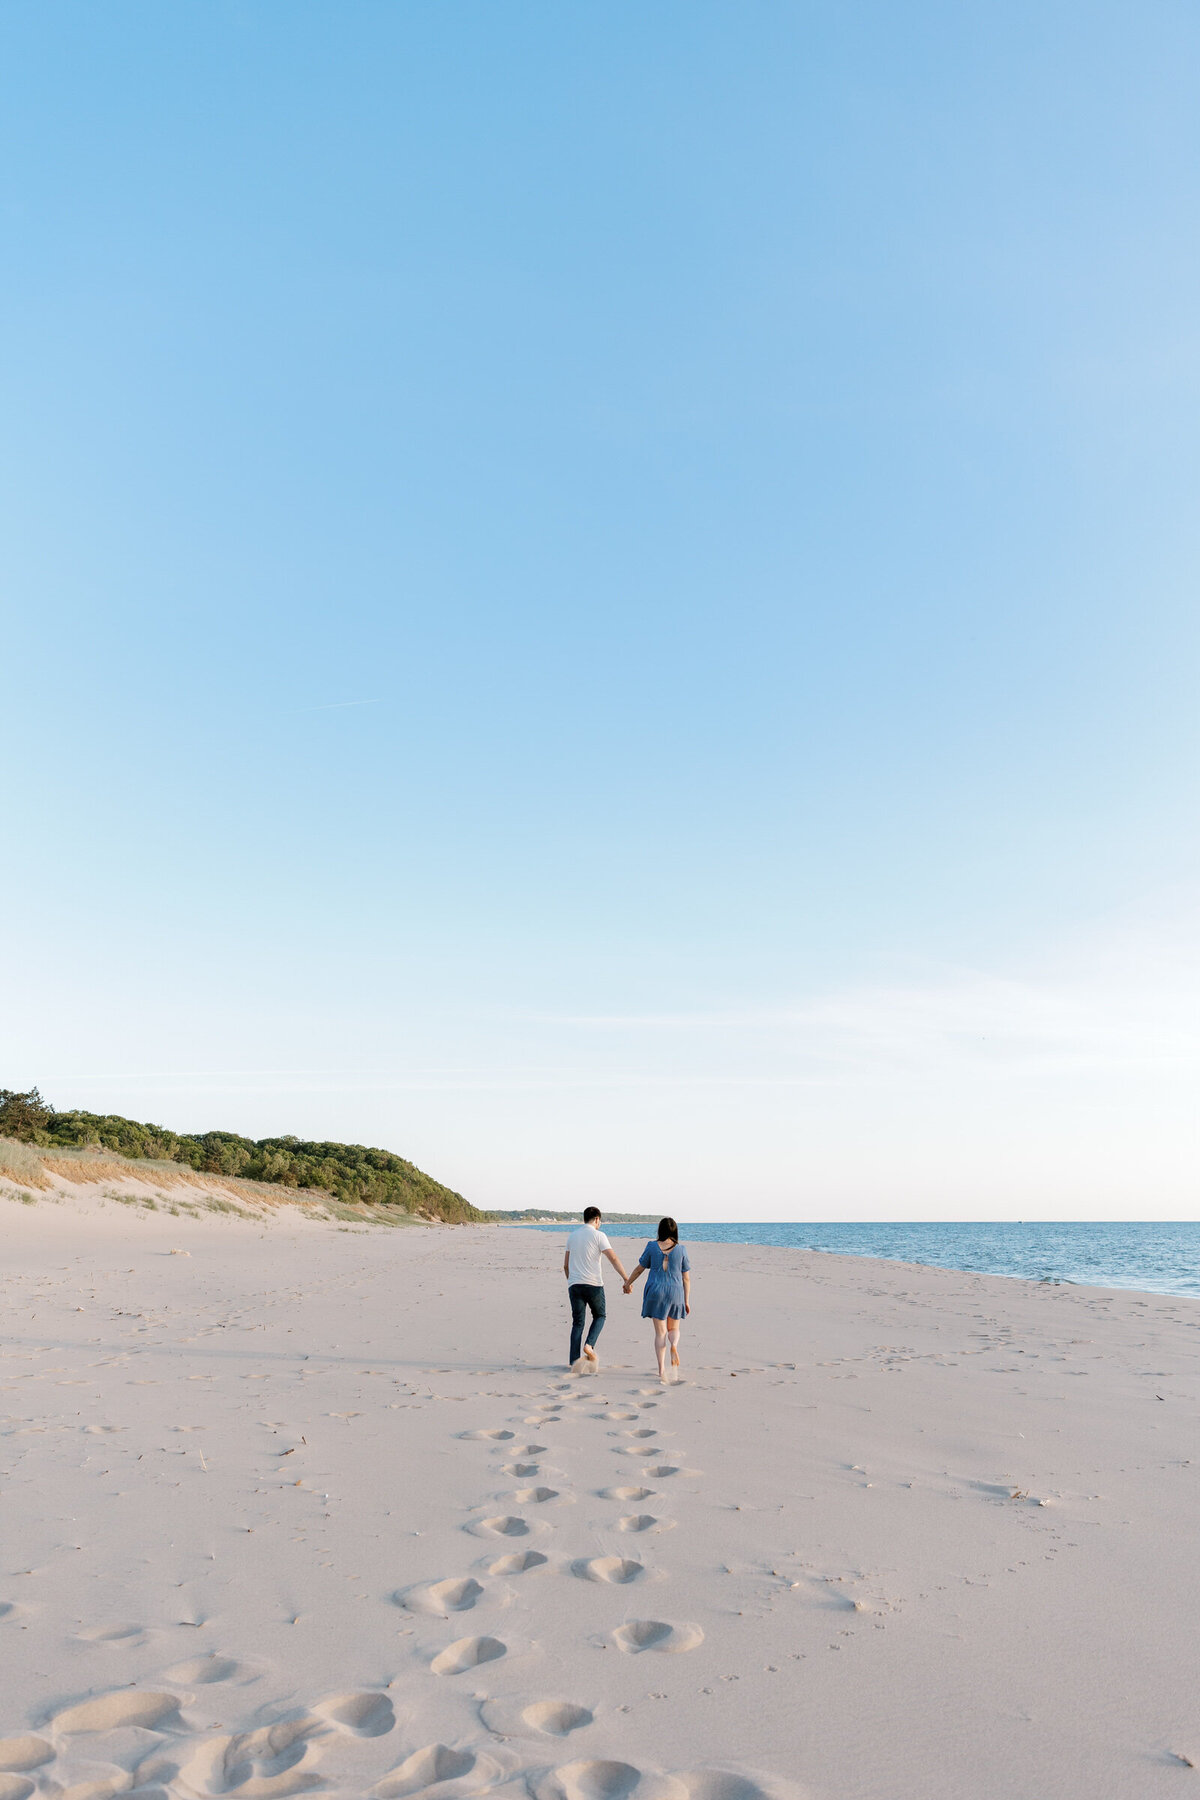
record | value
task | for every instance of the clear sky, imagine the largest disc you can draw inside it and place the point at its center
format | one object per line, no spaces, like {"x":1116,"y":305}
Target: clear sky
{"x":606,"y":596}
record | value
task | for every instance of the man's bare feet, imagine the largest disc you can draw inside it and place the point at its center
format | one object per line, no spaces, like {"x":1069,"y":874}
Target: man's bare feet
{"x":593,"y":1359}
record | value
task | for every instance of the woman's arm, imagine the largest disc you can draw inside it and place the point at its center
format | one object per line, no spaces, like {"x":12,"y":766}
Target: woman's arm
{"x":687,"y":1293}
{"x":635,"y":1277}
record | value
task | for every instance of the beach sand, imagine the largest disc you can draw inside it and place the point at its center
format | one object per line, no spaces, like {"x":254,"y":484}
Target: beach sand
{"x":290,"y":1507}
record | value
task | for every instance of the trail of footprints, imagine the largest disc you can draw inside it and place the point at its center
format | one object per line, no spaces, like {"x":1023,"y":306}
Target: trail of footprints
{"x":138,"y":1742}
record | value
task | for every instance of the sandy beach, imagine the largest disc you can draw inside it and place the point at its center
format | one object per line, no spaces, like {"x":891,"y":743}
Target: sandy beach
{"x":294,"y":1506}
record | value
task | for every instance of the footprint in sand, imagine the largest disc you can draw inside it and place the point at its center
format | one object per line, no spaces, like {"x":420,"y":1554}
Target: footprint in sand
{"x":441,"y":1598}
{"x":727,"y":1783}
{"x":647,"y":1431}
{"x":595,"y":1780}
{"x":638,"y":1449}
{"x":22,"y":1753}
{"x":112,"y":1711}
{"x":365,"y":1715}
{"x":202,"y":1670}
{"x":528,"y":1450}
{"x":644,"y":1522}
{"x":519,"y":1469}
{"x":151,"y":1778}
{"x":468,"y":1653}
{"x":536,"y":1496}
{"x":117,"y":1637}
{"x":507,"y":1525}
{"x":256,"y":1765}
{"x":498,"y":1435}
{"x":656,"y":1634}
{"x":662,"y":1470}
{"x":15,"y":1787}
{"x":617,"y":1570}
{"x":519,"y":1563}
{"x":514,"y":1715}
{"x":427,"y":1769}
{"x":556,"y":1718}
{"x":724,"y":1782}
{"x":625,"y":1493}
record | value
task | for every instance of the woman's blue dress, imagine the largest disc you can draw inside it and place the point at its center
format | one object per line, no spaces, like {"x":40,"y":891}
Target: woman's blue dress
{"x":663,"y":1295}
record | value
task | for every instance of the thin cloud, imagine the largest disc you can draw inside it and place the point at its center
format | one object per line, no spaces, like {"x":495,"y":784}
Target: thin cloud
{"x":1130,"y":1003}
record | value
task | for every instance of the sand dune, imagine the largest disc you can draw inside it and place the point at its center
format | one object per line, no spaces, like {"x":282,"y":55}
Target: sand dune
{"x":291,"y":1507}
{"x":92,"y":1179}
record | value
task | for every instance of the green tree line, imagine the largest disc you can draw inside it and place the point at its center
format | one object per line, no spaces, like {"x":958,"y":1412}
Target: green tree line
{"x":351,"y":1172}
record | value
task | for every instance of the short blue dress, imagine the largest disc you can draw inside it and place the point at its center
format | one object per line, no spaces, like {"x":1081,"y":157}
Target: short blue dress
{"x":663,"y":1295}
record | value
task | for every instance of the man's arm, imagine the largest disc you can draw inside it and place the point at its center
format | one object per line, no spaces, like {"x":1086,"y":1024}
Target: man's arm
{"x":567,"y":1264}
{"x":612,"y":1257}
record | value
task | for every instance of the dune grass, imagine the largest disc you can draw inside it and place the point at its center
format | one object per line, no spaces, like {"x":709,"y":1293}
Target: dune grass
{"x":21,"y":1163}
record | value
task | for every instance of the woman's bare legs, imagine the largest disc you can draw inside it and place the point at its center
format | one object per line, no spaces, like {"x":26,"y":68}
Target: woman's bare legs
{"x":660,"y":1346}
{"x":673,"y":1338}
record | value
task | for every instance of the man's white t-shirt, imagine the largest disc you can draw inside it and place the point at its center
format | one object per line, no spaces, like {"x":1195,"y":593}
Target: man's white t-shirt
{"x":585,"y":1246}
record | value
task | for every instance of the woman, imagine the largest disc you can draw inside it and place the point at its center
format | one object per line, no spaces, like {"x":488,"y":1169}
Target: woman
{"x":667,"y":1299}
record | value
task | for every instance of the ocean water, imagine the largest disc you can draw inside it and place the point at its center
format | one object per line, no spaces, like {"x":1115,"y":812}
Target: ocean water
{"x":1157,"y":1258}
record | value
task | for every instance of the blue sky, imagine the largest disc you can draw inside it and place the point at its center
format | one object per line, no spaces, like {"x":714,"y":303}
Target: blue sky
{"x":606,"y":597}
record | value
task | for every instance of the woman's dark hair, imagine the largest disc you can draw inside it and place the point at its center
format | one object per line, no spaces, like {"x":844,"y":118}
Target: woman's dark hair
{"x":667,"y":1228}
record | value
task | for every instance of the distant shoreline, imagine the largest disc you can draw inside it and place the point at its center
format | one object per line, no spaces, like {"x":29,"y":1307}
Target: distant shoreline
{"x":571,"y":1218}
{"x":1147,"y":1256}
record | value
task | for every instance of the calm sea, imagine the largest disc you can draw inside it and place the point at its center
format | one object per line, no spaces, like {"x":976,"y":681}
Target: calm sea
{"x":1157,"y":1258}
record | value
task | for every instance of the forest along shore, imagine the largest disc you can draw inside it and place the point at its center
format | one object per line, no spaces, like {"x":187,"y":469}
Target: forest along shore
{"x":315,"y":1504}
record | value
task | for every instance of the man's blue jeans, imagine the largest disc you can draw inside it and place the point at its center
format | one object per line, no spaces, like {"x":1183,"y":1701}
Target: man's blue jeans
{"x":582,"y":1297}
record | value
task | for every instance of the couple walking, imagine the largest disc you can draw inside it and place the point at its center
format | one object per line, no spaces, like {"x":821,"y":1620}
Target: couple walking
{"x":666,"y":1299}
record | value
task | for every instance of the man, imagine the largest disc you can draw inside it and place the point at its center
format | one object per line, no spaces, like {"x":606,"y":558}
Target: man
{"x":585,"y":1277}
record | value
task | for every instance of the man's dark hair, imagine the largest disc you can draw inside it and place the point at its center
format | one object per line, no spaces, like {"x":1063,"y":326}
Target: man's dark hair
{"x":590,"y":1213}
